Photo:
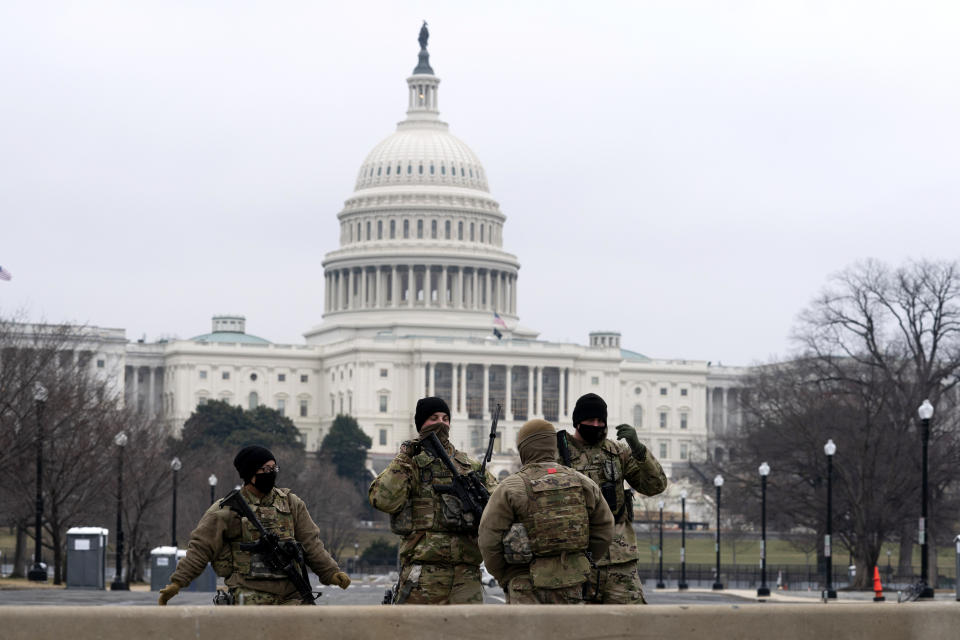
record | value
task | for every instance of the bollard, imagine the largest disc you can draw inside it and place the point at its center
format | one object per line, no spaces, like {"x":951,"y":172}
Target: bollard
{"x":957,"y":581}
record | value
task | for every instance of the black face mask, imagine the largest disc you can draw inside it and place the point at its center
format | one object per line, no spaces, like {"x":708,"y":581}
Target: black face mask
{"x":264,"y":481}
{"x":592,"y":435}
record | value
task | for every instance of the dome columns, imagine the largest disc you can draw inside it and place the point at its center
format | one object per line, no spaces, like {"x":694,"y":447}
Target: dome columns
{"x":419,"y":285}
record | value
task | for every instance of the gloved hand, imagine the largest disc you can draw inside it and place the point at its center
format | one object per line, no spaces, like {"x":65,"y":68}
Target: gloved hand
{"x":628,"y":434}
{"x":341,"y":579}
{"x":168,"y":592}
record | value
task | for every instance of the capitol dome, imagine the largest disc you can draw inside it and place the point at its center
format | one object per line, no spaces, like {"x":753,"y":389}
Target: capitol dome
{"x":421,"y":239}
{"x":422,"y":152}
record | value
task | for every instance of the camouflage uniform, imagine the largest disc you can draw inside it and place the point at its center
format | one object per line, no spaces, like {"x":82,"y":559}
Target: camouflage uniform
{"x":220,"y":532}
{"x":564,"y":516}
{"x":439,"y":558}
{"x":609,"y":464}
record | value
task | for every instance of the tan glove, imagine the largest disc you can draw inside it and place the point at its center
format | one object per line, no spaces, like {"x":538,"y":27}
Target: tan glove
{"x":168,"y":592}
{"x":341,"y":579}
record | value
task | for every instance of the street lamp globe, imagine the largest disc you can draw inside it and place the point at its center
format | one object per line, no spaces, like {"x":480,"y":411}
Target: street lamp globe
{"x":683,"y":494}
{"x":830,"y":448}
{"x":120,"y":439}
{"x":660,"y":504}
{"x":926,"y":410}
{"x":175,"y":464}
{"x":39,"y":392}
{"x":718,"y":481}
{"x":212,"y":480}
{"x":764,"y":469}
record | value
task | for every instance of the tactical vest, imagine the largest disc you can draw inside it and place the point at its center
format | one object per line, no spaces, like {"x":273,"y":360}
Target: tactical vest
{"x":602,"y":465}
{"x":557,"y":520}
{"x":428,"y":510}
{"x":276,"y":518}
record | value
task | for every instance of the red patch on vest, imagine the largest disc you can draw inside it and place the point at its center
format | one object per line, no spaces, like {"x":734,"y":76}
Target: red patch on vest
{"x":551,"y":470}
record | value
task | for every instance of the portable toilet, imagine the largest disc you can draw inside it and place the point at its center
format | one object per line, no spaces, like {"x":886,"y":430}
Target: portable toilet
{"x":86,"y":557}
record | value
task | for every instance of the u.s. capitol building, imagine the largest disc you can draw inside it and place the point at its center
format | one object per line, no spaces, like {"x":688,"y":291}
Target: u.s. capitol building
{"x":422,"y":299}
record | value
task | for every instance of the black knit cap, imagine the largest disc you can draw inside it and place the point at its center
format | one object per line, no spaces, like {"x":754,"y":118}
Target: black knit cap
{"x":250,"y":459}
{"x":589,"y":406}
{"x":426,"y":407}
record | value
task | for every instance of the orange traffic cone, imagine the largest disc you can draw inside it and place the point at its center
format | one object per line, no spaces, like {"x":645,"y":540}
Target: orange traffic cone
{"x":877,"y":587}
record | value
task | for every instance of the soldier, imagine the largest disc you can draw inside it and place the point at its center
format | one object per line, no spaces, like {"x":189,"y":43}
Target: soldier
{"x":543,"y":525}
{"x":439,"y":557}
{"x":608,"y":464}
{"x":221,"y":531}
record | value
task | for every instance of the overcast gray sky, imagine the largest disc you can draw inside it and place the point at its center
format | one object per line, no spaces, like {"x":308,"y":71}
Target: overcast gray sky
{"x":688,"y":173}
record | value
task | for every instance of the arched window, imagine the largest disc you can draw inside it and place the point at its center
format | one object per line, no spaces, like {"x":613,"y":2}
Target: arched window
{"x":421,"y":169}
{"x":481,"y":233}
{"x":446,"y":229}
{"x":637,"y":416}
{"x":368,"y":229}
{"x":393,"y":229}
{"x":431,"y":169}
{"x":379,"y":169}
{"x":253,"y":401}
{"x":419,"y":228}
{"x":388,"y":169}
{"x":409,"y":169}
{"x":379,"y":229}
{"x":443,"y":170}
{"x":460,"y":230}
{"x":406,"y":228}
{"x":433,"y":228}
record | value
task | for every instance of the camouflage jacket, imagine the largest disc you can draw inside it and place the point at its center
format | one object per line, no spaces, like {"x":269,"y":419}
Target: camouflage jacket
{"x":611,"y":463}
{"x":220,"y":530}
{"x":434,"y":530}
{"x":511,"y":503}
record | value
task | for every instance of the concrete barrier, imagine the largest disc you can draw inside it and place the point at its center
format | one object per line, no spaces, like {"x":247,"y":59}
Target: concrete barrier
{"x":882,"y":621}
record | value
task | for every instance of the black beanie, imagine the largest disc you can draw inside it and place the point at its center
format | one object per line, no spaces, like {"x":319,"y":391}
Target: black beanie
{"x":250,"y":459}
{"x":589,"y":406}
{"x":426,"y":407}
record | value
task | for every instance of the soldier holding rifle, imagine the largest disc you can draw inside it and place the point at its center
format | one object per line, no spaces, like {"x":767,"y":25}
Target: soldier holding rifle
{"x":260,"y":538}
{"x":435,"y":496}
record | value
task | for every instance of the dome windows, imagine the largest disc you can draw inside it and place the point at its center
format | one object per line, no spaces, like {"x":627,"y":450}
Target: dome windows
{"x":388,"y":169}
{"x":421,"y":169}
{"x":431,"y":169}
{"x":379,"y":169}
{"x":443,"y":170}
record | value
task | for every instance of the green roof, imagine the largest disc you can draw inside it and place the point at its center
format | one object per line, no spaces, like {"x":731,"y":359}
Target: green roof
{"x":230,"y":336}
{"x":626,"y":354}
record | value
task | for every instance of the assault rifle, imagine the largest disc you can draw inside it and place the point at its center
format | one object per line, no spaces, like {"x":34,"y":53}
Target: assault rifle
{"x":285,"y":556}
{"x":493,"y":437}
{"x":468,"y":487}
{"x":563,"y":448}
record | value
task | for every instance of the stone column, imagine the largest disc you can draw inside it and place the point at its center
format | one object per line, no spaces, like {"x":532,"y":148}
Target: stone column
{"x":412,"y":284}
{"x":475,"y":302}
{"x":454,"y":395}
{"x":432,"y":378}
{"x":486,"y":391}
{"x":539,"y":391}
{"x":529,"y":392}
{"x":562,"y":371}
{"x":508,"y":400}
{"x":489,"y":288}
{"x":724,"y":409}
{"x":135,"y":388}
{"x":443,"y":286}
{"x":394,"y":286}
{"x":151,"y":389}
{"x":363,"y":288}
{"x":463,"y":388}
{"x":348,"y":284}
{"x":459,"y":296}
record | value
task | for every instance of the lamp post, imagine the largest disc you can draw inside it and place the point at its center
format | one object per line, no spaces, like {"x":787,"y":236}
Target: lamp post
{"x":176,"y":465}
{"x":925,"y":412}
{"x":718,"y":482}
{"x":682,"y":585}
{"x":764,"y":470}
{"x":830,"y":448}
{"x":660,"y":584}
{"x":118,"y":584}
{"x":213,"y":488}
{"x":38,"y":572}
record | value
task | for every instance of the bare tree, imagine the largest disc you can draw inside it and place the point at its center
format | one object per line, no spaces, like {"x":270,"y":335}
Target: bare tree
{"x":334,"y":502}
{"x":874,"y":345}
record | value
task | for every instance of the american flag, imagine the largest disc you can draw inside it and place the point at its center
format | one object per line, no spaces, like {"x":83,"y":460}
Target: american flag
{"x":4,"y":274}
{"x":497,"y":320}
